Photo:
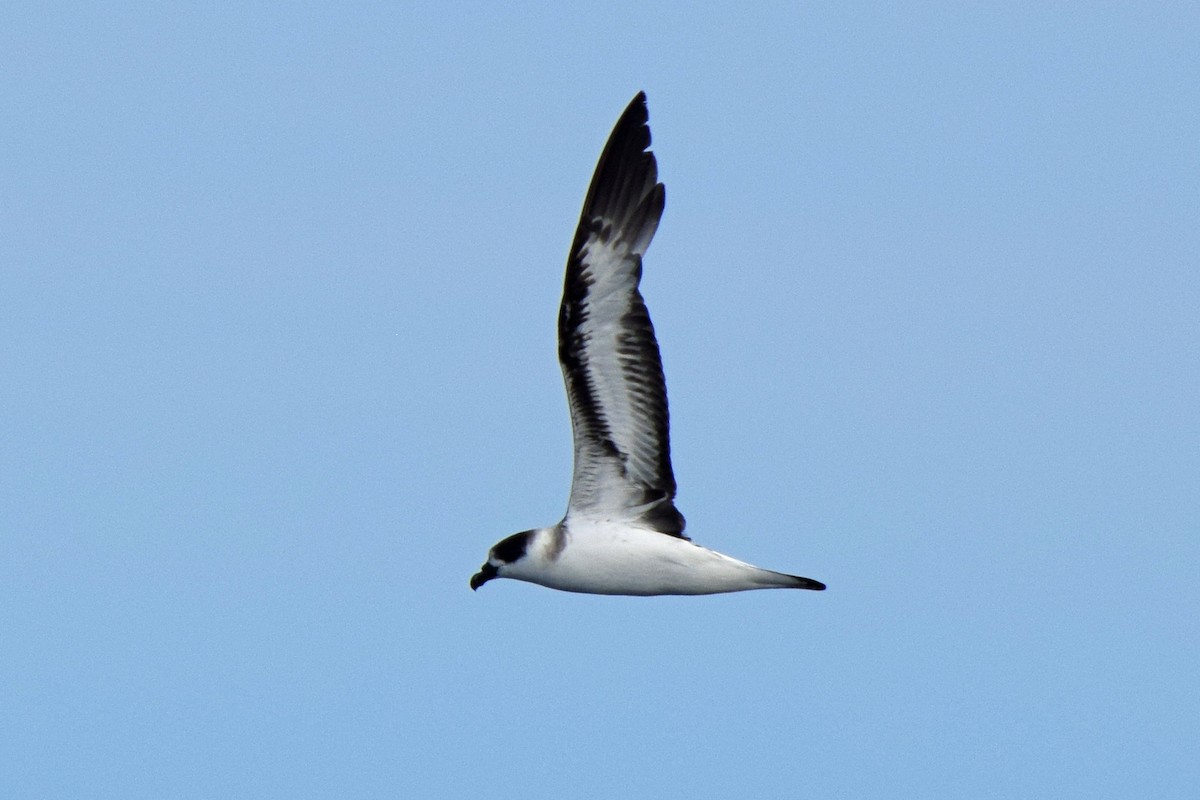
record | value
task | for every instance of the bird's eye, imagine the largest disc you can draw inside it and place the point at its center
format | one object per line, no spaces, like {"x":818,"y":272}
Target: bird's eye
{"x":511,"y":549}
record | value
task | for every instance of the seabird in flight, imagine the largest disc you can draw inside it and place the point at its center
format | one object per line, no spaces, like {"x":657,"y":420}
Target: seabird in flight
{"x":622,"y":533}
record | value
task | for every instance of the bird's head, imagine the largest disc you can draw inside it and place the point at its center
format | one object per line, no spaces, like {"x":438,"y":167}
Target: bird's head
{"x":504,"y":553}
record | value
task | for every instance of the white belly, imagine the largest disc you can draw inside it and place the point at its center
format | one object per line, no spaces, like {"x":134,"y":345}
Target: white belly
{"x":613,"y":558}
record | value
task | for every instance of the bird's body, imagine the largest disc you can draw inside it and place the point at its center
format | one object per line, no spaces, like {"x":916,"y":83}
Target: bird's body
{"x":622,"y":533}
{"x":602,"y":557}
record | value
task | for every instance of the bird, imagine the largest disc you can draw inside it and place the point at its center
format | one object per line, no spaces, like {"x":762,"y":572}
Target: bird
{"x":622,"y":534}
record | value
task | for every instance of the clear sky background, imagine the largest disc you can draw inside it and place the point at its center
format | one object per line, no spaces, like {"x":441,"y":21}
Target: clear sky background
{"x":278,"y":286}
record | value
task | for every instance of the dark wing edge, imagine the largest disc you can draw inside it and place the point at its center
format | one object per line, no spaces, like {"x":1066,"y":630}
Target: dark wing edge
{"x":609,"y":355}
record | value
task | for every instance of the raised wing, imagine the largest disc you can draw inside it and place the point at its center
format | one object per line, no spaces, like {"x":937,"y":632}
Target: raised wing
{"x":606,"y":343}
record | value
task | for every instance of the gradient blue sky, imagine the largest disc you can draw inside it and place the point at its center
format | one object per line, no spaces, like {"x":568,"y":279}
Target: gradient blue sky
{"x":277,"y":366}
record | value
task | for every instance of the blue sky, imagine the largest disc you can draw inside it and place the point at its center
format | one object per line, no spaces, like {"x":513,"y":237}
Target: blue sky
{"x":277,"y":298}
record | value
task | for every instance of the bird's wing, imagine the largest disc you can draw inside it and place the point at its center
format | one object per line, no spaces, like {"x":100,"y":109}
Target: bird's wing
{"x":606,"y":345}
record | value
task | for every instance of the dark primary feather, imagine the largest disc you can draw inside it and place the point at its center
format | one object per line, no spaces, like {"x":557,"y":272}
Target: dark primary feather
{"x":609,"y":356}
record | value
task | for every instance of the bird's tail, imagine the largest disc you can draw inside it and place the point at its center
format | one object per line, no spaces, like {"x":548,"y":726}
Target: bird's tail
{"x":807,"y":583}
{"x":784,"y":581}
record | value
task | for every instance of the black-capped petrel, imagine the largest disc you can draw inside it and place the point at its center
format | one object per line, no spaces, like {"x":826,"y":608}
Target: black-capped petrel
{"x":622,"y":533}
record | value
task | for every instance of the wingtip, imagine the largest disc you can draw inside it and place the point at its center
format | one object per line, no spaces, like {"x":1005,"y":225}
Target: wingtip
{"x":637,"y":112}
{"x":809,"y":583}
